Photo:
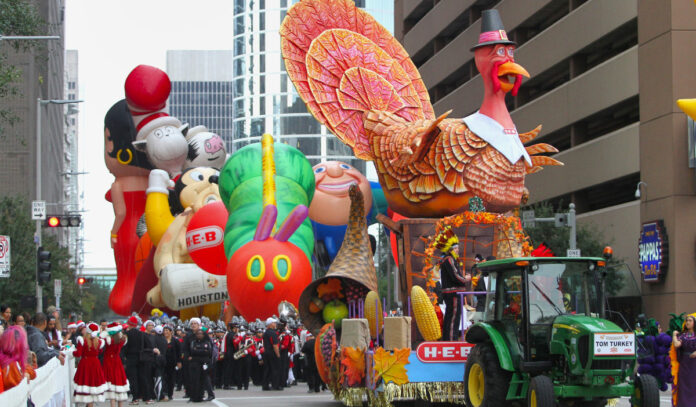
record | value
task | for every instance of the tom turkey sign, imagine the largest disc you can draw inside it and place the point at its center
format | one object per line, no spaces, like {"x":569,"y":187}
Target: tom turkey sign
{"x":653,"y":251}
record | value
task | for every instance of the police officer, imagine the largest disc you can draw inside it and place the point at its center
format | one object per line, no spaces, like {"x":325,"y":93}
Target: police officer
{"x":271,"y":357}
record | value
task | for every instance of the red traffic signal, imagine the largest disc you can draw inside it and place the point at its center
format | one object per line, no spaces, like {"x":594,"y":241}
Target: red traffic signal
{"x":63,"y":221}
{"x":81,"y":280}
{"x":53,"y":221}
{"x":84,"y":281}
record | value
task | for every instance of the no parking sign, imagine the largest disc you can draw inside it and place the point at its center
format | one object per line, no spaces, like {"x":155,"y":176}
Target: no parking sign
{"x":4,"y":256}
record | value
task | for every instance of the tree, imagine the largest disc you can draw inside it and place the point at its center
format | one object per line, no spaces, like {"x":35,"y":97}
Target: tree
{"x":589,"y":240}
{"x":17,"y":17}
{"x":16,"y":223}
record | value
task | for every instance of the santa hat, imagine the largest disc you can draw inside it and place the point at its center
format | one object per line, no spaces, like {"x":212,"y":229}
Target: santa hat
{"x":147,"y":89}
{"x":148,"y":322}
{"x":80,"y":324}
{"x":72,"y":325}
{"x":133,"y":321}
{"x":196,"y":320}
{"x":93,"y":328}
{"x":113,"y":328}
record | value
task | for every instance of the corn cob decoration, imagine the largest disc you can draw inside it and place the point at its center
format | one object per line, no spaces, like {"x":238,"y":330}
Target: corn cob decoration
{"x":373,"y":309}
{"x":424,"y":313}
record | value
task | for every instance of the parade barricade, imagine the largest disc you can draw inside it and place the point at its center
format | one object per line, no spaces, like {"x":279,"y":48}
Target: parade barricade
{"x":52,"y":386}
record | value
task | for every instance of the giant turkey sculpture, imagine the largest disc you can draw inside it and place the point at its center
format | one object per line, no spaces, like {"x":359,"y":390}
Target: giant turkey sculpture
{"x":357,"y":79}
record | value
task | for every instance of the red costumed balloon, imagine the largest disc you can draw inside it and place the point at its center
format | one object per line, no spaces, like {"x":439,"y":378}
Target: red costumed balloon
{"x":204,"y":238}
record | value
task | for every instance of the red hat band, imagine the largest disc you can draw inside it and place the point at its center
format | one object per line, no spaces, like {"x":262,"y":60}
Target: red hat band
{"x":499,"y":35}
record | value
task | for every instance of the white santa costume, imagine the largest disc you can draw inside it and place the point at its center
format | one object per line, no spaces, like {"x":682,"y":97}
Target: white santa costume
{"x":114,"y":373}
{"x":90,"y":384}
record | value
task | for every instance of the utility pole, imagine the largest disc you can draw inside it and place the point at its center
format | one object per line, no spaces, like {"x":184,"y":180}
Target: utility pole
{"x":560,"y":220}
{"x":37,"y":237}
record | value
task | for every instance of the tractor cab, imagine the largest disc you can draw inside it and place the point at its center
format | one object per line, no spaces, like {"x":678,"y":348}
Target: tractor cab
{"x":540,"y":334}
{"x":526,"y":296}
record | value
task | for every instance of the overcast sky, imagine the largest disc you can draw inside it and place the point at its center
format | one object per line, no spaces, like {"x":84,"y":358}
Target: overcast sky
{"x":112,"y":37}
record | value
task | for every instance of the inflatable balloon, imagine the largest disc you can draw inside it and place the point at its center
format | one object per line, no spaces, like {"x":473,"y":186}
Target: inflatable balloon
{"x":206,"y":149}
{"x":204,"y":237}
{"x":269,"y":269}
{"x":331,"y":204}
{"x":127,"y":194}
{"x":258,"y":186}
{"x":160,"y":136}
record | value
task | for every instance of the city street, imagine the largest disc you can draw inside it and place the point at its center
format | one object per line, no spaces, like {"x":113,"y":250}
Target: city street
{"x":298,"y":396}
{"x":293,"y":396}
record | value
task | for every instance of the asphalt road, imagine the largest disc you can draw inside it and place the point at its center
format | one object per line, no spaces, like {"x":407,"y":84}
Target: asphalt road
{"x":292,"y":396}
{"x":298,"y":396}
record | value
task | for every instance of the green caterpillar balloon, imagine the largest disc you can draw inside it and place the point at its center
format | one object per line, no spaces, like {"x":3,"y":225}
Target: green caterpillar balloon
{"x":242,"y":191}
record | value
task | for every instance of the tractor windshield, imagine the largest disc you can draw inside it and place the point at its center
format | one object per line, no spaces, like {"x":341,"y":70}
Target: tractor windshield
{"x":561,"y":288}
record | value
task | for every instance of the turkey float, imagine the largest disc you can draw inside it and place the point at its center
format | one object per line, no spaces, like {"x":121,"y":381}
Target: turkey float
{"x":357,"y":80}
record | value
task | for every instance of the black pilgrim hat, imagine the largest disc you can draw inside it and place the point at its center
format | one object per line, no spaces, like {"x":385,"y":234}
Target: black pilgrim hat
{"x":492,"y":30}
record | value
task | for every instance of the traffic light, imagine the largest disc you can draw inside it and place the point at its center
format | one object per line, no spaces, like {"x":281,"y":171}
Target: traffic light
{"x":43,"y":265}
{"x":63,"y":221}
{"x":84,"y":281}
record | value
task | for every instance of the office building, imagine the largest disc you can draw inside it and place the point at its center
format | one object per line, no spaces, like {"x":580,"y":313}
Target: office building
{"x":202,"y":89}
{"x":72,"y":195}
{"x":605,"y":77}
{"x":265,"y":100}
{"x":41,"y":77}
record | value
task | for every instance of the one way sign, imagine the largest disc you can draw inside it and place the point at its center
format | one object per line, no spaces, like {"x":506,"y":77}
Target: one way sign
{"x":38,"y":210}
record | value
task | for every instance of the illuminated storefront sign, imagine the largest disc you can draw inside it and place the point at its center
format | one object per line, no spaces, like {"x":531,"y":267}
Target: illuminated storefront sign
{"x":653,"y":250}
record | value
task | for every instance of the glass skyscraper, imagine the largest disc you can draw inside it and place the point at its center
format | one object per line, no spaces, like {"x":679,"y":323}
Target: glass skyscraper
{"x":265,"y":100}
{"x":202,"y":90}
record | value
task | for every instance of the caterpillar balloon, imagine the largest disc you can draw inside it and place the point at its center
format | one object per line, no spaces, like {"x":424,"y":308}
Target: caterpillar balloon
{"x":259,"y":184}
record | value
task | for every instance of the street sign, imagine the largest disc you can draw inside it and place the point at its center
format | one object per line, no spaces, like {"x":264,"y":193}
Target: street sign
{"x":528,"y":219}
{"x":4,"y":256}
{"x":38,"y":210}
{"x":573,"y":253}
{"x":57,"y":287}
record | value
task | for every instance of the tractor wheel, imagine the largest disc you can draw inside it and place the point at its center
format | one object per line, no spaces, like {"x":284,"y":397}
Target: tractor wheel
{"x":485,"y":382}
{"x":541,"y":392}
{"x":646,"y":392}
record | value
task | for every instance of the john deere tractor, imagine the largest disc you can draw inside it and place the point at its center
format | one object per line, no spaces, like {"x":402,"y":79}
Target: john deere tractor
{"x":541,"y":337}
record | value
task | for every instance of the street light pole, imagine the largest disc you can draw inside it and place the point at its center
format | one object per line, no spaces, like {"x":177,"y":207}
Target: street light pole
{"x":37,"y":237}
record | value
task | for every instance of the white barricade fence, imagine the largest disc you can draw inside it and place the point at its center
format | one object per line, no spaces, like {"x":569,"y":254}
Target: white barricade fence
{"x":51,"y":388}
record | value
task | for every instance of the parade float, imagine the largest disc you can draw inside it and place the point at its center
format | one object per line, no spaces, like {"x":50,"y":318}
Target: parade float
{"x":453,"y":187}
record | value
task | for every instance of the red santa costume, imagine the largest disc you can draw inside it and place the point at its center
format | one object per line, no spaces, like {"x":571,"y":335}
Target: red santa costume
{"x":114,"y":373}
{"x":90,"y":384}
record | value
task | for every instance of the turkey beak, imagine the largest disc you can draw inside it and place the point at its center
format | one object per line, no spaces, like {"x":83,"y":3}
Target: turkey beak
{"x":510,"y":76}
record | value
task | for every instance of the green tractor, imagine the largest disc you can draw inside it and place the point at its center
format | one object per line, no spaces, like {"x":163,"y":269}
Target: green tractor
{"x":541,"y":337}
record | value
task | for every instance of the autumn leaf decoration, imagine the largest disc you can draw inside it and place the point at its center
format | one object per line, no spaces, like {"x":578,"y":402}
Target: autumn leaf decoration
{"x":331,"y":286}
{"x":353,"y":362}
{"x":391,"y":367}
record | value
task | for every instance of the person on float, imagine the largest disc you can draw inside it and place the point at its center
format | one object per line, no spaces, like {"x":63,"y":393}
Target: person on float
{"x":114,"y":373}
{"x":172,"y":364}
{"x":130,"y":168}
{"x":14,"y":350}
{"x":452,"y":282}
{"x":90,"y":384}
{"x":685,"y":343}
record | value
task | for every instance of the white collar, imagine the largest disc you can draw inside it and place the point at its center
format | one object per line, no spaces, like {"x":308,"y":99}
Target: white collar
{"x":507,"y":142}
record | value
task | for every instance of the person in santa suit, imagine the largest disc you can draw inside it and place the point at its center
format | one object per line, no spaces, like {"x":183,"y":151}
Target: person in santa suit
{"x":89,"y":380}
{"x":256,"y":369}
{"x":114,"y":373}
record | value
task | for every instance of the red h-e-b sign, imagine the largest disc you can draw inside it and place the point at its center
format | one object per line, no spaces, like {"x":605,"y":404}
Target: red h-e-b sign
{"x":204,"y":237}
{"x":443,"y":352}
